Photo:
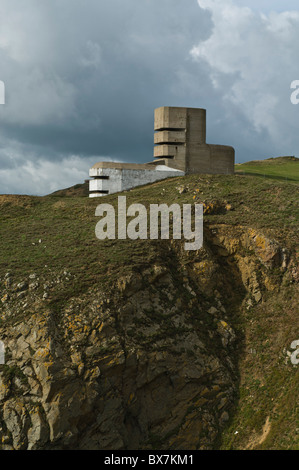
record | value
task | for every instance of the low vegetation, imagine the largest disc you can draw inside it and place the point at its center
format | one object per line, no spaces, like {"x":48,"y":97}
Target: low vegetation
{"x":56,"y":233}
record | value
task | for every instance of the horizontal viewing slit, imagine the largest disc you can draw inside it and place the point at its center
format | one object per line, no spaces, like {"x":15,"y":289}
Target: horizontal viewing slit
{"x":101,"y":177}
{"x":99,"y":192}
{"x":175,"y":129}
{"x":170,"y":143}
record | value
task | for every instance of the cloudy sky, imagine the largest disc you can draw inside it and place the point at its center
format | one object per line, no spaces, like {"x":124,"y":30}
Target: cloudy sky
{"x":82,"y":79}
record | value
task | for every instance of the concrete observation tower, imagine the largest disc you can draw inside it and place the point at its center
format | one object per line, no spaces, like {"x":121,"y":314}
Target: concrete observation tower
{"x":180,"y":149}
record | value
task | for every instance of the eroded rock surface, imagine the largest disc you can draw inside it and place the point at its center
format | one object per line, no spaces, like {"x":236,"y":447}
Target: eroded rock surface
{"x":150,"y":364}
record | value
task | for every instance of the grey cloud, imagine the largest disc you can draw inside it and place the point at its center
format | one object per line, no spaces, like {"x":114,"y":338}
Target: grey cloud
{"x":251,"y":58}
{"x":83,"y":78}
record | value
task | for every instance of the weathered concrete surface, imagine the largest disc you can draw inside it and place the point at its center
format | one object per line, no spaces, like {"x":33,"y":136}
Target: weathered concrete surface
{"x":181,"y":140}
{"x":116,"y":177}
{"x":180,"y":144}
{"x":170,"y":137}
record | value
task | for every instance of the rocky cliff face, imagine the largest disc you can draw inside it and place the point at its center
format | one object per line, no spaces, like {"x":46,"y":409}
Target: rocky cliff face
{"x":152,"y":363}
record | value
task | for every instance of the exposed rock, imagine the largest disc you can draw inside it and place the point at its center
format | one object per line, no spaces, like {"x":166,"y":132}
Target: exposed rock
{"x":148,"y":364}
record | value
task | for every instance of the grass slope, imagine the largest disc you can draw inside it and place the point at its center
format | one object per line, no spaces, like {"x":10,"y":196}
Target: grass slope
{"x":281,"y":168}
{"x":66,"y":226}
{"x":54,"y":233}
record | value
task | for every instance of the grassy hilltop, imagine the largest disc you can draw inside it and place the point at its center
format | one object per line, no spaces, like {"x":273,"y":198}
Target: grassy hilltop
{"x":249,"y":266}
{"x":65,"y":225}
{"x":280,"y":168}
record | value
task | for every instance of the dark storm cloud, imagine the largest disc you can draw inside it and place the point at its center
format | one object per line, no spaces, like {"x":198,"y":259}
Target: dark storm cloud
{"x":83,"y":78}
{"x":100,"y":68}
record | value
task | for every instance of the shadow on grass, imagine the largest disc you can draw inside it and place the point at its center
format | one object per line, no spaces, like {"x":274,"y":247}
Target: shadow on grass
{"x":266,"y":175}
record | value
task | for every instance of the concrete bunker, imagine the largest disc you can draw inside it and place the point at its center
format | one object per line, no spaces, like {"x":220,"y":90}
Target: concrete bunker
{"x":180,"y":149}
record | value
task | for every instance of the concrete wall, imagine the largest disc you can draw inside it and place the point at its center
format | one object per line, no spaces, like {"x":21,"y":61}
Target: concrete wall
{"x":180,"y":148}
{"x":113,"y":180}
{"x":212,"y":159}
{"x":180,"y":139}
{"x":170,"y":118}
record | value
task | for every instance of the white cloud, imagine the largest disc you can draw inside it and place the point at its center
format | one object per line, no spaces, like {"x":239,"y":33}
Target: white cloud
{"x":258,"y":53}
{"x":27,"y":174}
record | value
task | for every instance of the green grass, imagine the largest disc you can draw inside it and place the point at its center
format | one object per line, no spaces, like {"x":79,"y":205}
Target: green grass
{"x":269,"y":383}
{"x":282,"y":168}
{"x":265,"y":197}
{"x":66,"y":226}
